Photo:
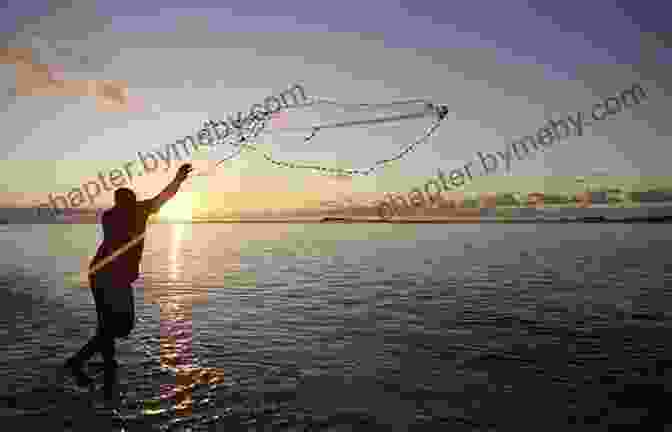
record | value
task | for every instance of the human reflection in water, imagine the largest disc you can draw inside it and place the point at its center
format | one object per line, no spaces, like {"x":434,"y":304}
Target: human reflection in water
{"x":111,"y":272}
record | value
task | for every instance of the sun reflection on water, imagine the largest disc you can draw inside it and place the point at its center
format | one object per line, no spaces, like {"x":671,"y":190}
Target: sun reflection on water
{"x":174,"y":258}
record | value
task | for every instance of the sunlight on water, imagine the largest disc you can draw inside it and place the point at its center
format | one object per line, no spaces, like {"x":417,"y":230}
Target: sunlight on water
{"x":174,"y":258}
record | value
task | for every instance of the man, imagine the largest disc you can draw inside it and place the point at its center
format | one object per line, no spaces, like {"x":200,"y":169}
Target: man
{"x":111,"y":272}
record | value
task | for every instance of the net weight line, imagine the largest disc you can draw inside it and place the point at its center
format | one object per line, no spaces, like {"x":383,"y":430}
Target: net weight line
{"x":258,"y":127}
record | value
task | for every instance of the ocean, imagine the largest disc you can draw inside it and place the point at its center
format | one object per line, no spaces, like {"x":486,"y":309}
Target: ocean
{"x":343,"y":327}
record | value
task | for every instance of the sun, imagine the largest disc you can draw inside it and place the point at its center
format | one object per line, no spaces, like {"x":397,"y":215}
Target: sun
{"x":181,"y":207}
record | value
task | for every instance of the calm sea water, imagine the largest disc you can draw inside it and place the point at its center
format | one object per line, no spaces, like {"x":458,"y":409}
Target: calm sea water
{"x":350,"y":327}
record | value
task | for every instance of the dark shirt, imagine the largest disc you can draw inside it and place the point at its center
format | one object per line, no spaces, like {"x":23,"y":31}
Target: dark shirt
{"x":121,"y":226}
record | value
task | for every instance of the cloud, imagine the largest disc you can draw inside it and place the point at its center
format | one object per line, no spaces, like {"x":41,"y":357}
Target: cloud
{"x":49,"y":80}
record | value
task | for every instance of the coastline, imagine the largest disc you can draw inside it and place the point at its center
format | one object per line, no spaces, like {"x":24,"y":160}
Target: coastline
{"x":654,"y":220}
{"x":647,"y":213}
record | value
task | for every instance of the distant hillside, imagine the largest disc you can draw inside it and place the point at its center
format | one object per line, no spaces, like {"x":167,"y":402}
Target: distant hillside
{"x":651,"y":196}
{"x":20,"y":215}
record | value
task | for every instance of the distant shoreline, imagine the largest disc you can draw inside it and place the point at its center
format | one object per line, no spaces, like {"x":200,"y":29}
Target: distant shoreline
{"x":419,"y":220}
{"x":389,"y":222}
{"x":652,"y":213}
{"x":454,"y":220}
{"x":514,"y":220}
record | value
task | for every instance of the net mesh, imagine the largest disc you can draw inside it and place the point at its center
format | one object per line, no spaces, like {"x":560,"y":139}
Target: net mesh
{"x":247,"y":132}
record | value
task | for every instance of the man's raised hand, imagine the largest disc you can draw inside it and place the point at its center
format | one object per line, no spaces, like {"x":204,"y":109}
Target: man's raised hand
{"x":183,"y":172}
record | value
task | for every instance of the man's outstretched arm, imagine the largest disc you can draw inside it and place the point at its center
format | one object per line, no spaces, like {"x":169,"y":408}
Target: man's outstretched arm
{"x":169,"y":191}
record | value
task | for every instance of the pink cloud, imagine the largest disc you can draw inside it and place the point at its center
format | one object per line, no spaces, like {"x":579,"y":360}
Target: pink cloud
{"x":279,"y":120}
{"x":135,"y":103}
{"x":56,"y":72}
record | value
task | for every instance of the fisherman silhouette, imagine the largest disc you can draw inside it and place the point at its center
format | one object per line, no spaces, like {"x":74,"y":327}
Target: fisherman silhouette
{"x":111,"y":272}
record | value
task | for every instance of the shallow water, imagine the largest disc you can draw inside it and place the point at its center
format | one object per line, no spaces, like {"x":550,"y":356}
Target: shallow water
{"x":350,"y":327}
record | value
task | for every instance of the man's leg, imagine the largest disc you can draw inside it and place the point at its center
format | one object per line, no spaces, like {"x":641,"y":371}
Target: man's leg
{"x":94,"y":345}
{"x":75,"y":362}
{"x":118,"y":319}
{"x":110,"y":374}
{"x":87,"y":351}
{"x":106,"y":342}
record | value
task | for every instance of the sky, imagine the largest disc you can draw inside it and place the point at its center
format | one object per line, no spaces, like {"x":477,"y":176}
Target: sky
{"x":502,"y":69}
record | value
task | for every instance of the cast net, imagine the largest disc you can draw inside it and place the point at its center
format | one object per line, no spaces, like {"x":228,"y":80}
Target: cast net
{"x":329,"y":137}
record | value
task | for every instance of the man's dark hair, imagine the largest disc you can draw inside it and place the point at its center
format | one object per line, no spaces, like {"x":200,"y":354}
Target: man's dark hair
{"x":124,"y":197}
